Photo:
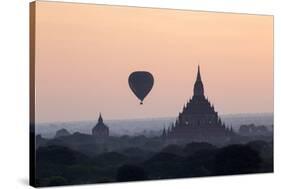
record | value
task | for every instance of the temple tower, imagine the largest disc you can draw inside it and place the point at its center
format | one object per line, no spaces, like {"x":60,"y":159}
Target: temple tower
{"x":100,"y":130}
{"x":198,"y":120}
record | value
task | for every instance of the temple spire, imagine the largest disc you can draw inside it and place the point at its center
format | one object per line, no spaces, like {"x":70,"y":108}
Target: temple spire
{"x":198,"y":89}
{"x":100,"y":119}
{"x":198,"y":74}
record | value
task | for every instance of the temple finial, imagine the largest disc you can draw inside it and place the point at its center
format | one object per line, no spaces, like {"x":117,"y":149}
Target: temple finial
{"x":100,"y":118}
{"x":198,"y":89}
{"x":198,"y":74}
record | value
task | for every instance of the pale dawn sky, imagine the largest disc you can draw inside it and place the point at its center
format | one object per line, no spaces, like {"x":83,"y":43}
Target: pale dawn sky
{"x":85,"y":53}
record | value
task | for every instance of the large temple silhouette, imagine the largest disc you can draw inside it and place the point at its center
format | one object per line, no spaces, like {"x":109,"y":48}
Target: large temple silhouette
{"x":198,"y":120}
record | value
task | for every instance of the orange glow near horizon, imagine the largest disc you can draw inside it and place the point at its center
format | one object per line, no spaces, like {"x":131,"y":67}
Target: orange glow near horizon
{"x":85,"y":53}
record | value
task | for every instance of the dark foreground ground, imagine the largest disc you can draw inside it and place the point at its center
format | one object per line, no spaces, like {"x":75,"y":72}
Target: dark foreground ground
{"x":80,"y":159}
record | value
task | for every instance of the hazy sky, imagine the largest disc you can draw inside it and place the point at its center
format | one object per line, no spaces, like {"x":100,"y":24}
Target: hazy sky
{"x":85,"y":53}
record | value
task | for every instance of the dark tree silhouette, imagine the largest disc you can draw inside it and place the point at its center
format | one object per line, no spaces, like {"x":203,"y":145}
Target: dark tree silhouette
{"x":173,"y":149}
{"x":130,"y":173}
{"x":59,"y":155}
{"x":237,"y":159}
{"x":194,"y":147}
{"x":141,"y":158}
{"x":163,"y":165}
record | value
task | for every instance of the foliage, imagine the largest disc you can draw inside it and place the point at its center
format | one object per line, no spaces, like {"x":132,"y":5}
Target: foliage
{"x":142,"y":158}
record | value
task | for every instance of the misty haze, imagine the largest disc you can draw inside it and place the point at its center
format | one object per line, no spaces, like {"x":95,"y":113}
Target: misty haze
{"x":147,"y":127}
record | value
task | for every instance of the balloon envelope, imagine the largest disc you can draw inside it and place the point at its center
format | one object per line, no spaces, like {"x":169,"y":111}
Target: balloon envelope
{"x":141,"y":83}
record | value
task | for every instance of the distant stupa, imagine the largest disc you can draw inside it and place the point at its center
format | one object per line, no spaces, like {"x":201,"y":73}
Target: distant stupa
{"x":62,"y":132}
{"x":198,"y":120}
{"x":100,"y":130}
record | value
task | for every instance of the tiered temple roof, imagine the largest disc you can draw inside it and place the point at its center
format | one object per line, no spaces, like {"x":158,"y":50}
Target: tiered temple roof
{"x":198,"y":120}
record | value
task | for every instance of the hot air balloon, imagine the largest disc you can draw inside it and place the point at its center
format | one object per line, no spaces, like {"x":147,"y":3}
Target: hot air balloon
{"x":141,"y":83}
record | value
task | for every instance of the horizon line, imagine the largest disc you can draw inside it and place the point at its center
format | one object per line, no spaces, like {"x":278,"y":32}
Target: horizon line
{"x":143,"y":118}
